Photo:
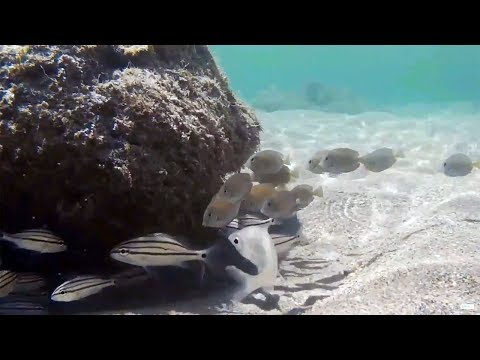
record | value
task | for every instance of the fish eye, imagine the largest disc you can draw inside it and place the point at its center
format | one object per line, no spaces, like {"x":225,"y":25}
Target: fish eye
{"x":123,"y":251}
{"x":62,"y":292}
{"x":235,"y":240}
{"x":269,"y":204}
{"x":225,"y":191}
{"x":204,"y":256}
{"x":309,"y":161}
{"x":253,"y":158}
{"x":326,"y":158}
{"x":444,"y":164}
{"x":210,"y":214}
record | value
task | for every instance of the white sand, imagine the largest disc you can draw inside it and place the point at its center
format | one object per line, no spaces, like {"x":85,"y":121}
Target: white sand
{"x":404,"y":241}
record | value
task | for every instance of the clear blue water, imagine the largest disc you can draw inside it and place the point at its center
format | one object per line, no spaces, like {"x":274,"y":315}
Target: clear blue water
{"x":370,"y":76}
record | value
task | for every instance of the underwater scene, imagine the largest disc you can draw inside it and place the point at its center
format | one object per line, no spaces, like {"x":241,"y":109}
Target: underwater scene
{"x":239,"y":179}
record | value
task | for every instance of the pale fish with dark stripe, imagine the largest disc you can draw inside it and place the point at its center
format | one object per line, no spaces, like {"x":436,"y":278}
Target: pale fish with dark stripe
{"x":19,"y":307}
{"x":250,"y":219}
{"x":38,"y":240}
{"x":80,"y":288}
{"x":28,"y":282}
{"x":8,"y":280}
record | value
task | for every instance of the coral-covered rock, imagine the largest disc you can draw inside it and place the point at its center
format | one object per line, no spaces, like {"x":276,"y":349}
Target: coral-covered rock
{"x":102,"y":143}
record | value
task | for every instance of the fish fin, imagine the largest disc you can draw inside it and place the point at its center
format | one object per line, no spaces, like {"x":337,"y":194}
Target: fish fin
{"x":295,"y":172}
{"x":287,"y":160}
{"x":268,"y":288}
{"x":477,"y":164}
{"x":318,"y":191}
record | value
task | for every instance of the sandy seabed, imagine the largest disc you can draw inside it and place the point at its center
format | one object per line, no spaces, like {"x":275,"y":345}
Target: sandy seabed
{"x":404,"y":241}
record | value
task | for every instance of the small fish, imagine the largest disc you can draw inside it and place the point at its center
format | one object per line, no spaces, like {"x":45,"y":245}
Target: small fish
{"x":281,"y":177}
{"x":256,"y":245}
{"x":257,"y":196}
{"x":157,"y":249}
{"x":459,"y":165}
{"x":339,"y":161}
{"x":266,"y":162}
{"x":379,"y":160}
{"x":38,"y":240}
{"x":284,"y":242}
{"x":220,"y":212}
{"x":314,"y":162}
{"x":8,"y":280}
{"x":236,"y":187}
{"x":80,"y":288}
{"x":282,"y":205}
{"x":20,"y":307}
{"x":28,"y":282}
{"x":305,"y":194}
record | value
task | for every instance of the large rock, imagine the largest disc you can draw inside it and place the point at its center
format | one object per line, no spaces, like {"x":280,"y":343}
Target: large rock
{"x":102,"y":143}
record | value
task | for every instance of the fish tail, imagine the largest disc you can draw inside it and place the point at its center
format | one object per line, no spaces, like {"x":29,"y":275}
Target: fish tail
{"x":287,"y":160}
{"x":476,"y":164}
{"x":318,"y":191}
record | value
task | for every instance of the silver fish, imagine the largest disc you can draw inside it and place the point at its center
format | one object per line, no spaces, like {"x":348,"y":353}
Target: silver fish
{"x":282,"y":205}
{"x":341,"y":160}
{"x":314,"y":162}
{"x":459,"y":165}
{"x":281,"y":177}
{"x":266,"y":162}
{"x":8,"y":280}
{"x":80,"y":288}
{"x":38,"y":240}
{"x":20,"y":307}
{"x":220,"y":212}
{"x":28,"y":282}
{"x":236,"y":187}
{"x":254,"y":244}
{"x":379,"y":160}
{"x":305,"y":194}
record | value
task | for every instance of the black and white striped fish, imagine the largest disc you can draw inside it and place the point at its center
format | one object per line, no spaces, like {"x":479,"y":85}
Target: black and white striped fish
{"x":80,"y":288}
{"x":18,"y":307}
{"x":247,"y":220}
{"x":8,"y":280}
{"x":28,"y":282}
{"x":38,"y":240}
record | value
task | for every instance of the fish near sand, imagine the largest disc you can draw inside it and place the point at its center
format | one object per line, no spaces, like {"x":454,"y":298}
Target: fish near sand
{"x":236,"y":187}
{"x":255,"y":245}
{"x":81,"y":287}
{"x":220,"y":212}
{"x":314,"y":163}
{"x":282,"y":205}
{"x":281,"y":177}
{"x":266,"y":162}
{"x":257,"y":196}
{"x":379,"y":160}
{"x":341,"y":160}
{"x":8,"y":280}
{"x":459,"y":165}
{"x":38,"y":240}
{"x":305,"y":194}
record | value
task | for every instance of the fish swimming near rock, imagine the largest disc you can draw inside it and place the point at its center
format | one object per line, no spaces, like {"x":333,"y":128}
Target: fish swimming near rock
{"x":340,"y":160}
{"x":256,"y":245}
{"x":305,"y":194}
{"x":29,"y":282}
{"x":314,"y":163}
{"x":282,"y":205}
{"x":266,"y":162}
{"x":81,"y":287}
{"x":220,"y":212}
{"x":159,"y":249}
{"x":459,"y":165}
{"x":38,"y":240}
{"x":236,"y":187}
{"x":256,"y":198}
{"x":8,"y":280}
{"x":283,"y":176}
{"x":379,"y":160}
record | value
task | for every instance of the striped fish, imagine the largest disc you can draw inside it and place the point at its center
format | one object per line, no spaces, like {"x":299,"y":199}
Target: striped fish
{"x":80,"y":288}
{"x":38,"y":240}
{"x":248,"y":220}
{"x":157,"y":249}
{"x":19,"y":307}
{"x":29,"y":282}
{"x":284,"y":242}
{"x":7,"y":282}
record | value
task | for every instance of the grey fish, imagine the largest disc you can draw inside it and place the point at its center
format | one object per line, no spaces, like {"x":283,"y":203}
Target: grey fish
{"x":266,"y":162}
{"x":283,"y":176}
{"x":38,"y":240}
{"x":236,"y":187}
{"x":80,"y":288}
{"x":459,"y":165}
{"x":257,"y":197}
{"x":379,"y":160}
{"x":314,"y":162}
{"x":8,"y":280}
{"x":341,"y":160}
{"x":220,"y":212}
{"x":22,"y":308}
{"x":282,"y":205}
{"x":305,"y":194}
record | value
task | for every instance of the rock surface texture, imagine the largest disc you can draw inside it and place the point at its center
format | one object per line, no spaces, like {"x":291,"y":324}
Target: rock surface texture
{"x":102,"y":143}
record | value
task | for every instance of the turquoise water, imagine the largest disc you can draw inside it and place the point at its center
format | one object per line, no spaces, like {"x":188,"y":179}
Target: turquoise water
{"x":275,"y":77}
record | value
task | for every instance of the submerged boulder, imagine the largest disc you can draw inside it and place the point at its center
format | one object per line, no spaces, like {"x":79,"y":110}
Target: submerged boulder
{"x":103,"y":143}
